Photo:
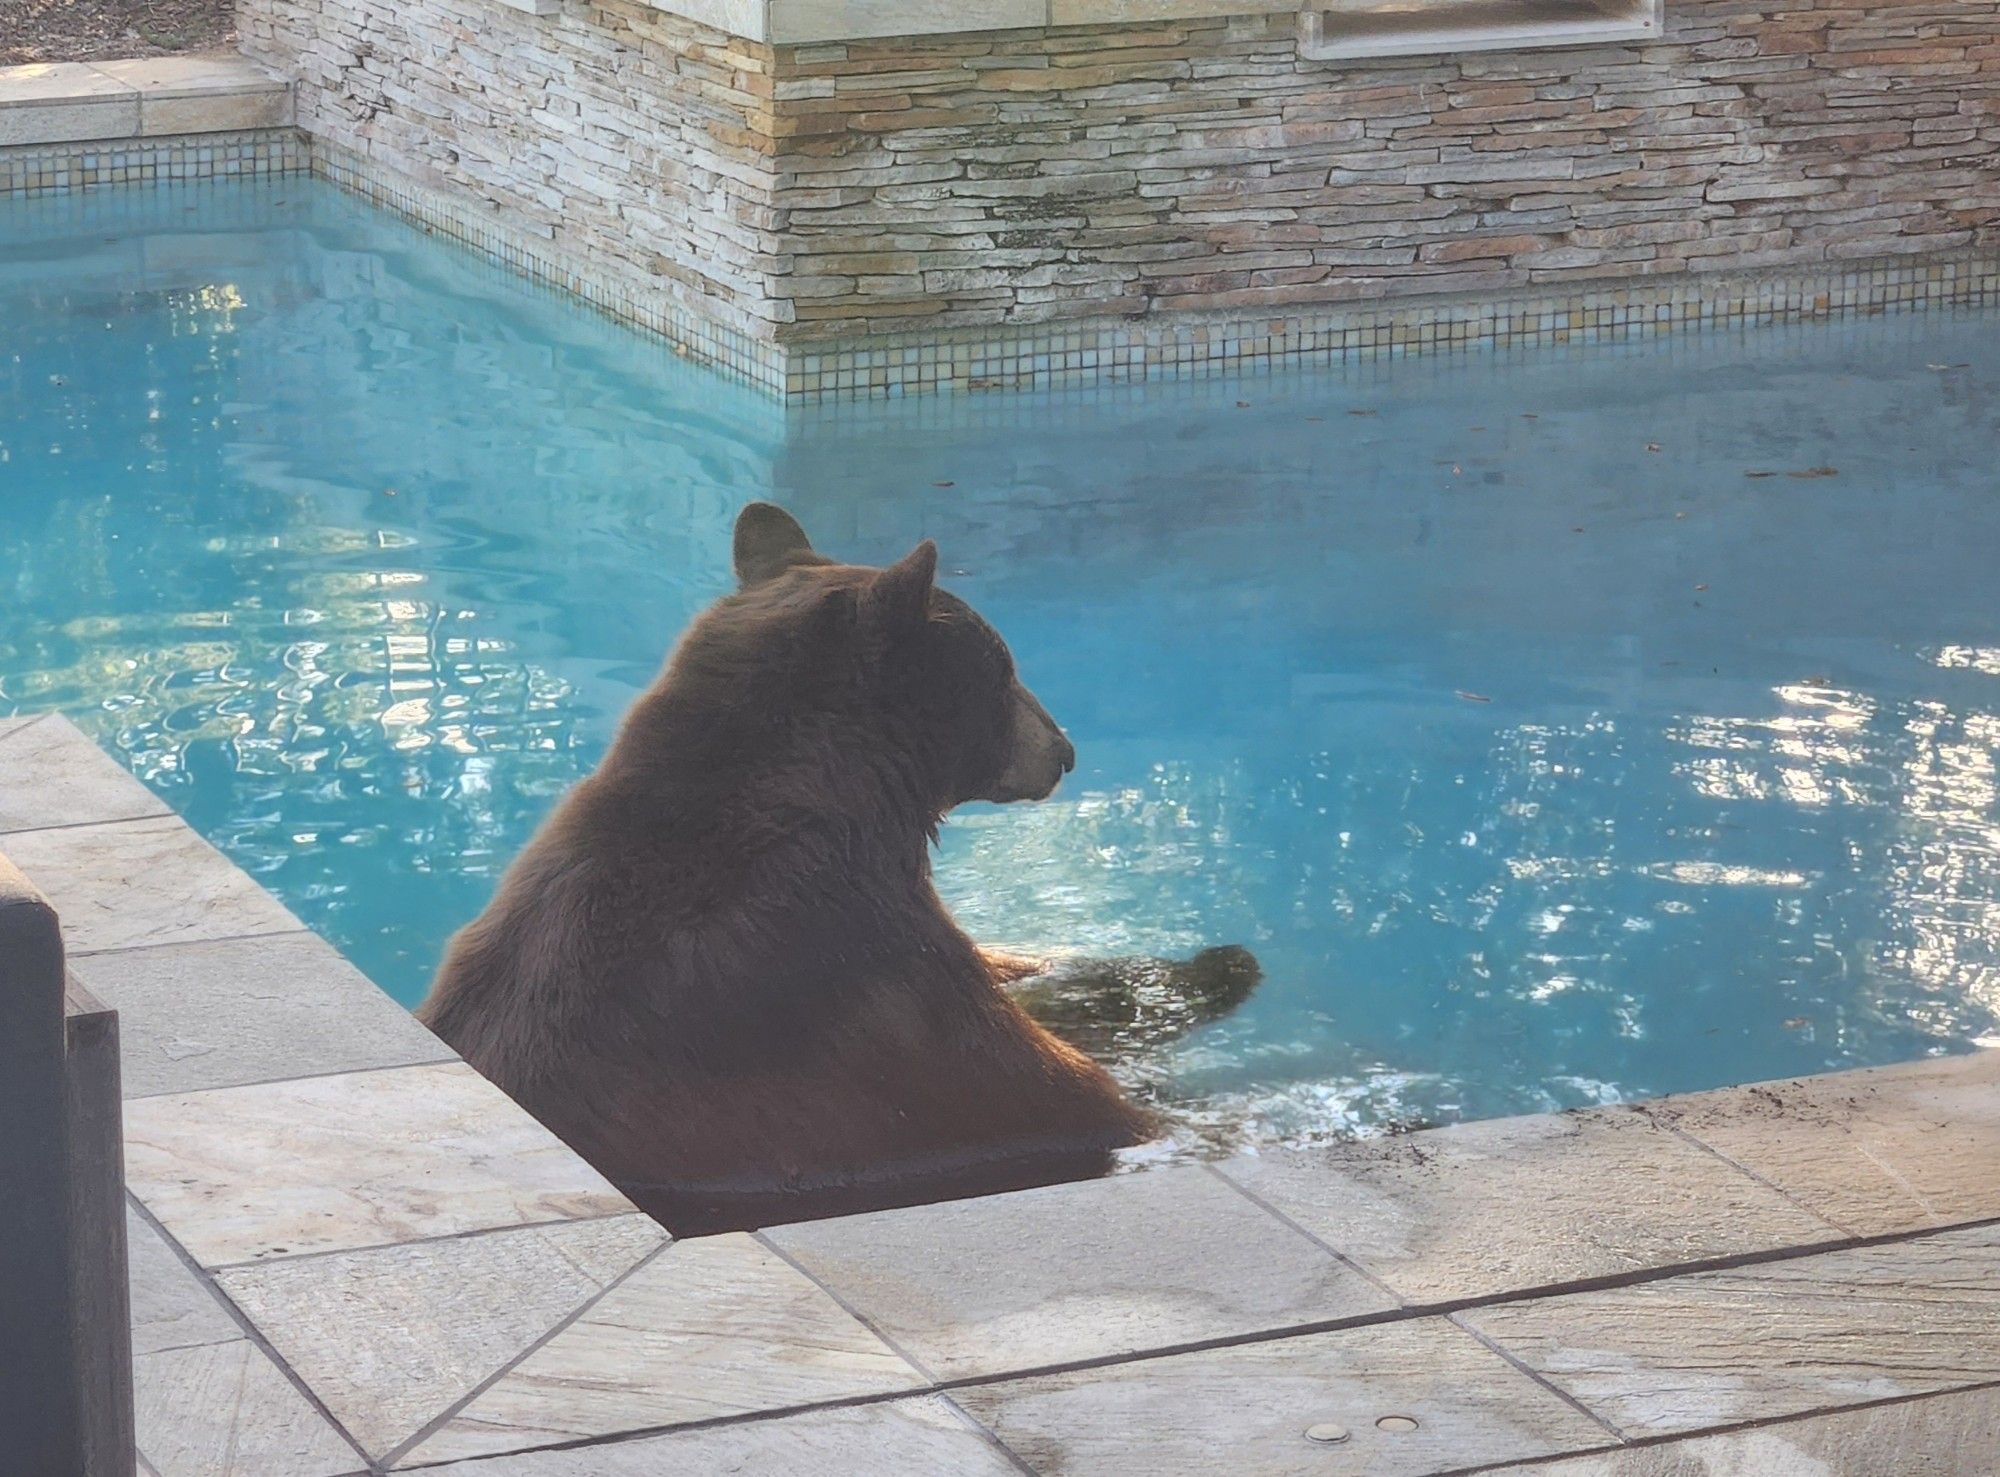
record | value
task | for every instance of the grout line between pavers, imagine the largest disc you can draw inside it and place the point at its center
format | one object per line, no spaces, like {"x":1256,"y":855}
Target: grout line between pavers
{"x":930,"y":1376}
{"x":451,"y":1059}
{"x":431,"y":1427}
{"x":1772,"y":1185}
{"x":709,"y":1423}
{"x":1458,"y":1322}
{"x":1735,"y":1428}
{"x":1411,"y":1311}
{"x":31,"y":720}
{"x":165,"y":813}
{"x":1342,"y":1257}
{"x":227,"y":938}
{"x":287,"y":1259}
{"x":250,"y":1330}
{"x":991,"y":1437}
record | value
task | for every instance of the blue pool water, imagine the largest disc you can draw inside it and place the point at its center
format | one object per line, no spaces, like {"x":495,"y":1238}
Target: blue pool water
{"x":1546,"y":732}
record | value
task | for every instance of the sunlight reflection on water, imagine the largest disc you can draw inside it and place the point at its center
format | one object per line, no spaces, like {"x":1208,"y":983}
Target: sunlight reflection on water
{"x":1539,"y":769}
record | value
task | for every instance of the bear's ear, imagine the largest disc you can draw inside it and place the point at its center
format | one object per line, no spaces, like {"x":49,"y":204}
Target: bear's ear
{"x":768,"y":541}
{"x":899,"y":598}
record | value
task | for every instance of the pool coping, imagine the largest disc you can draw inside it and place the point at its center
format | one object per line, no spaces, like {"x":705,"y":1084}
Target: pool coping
{"x":141,"y":98}
{"x":353,"y":1255}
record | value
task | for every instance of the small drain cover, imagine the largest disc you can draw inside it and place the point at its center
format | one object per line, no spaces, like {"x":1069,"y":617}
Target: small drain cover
{"x":1327,"y":1433}
{"x":1396,"y":1423}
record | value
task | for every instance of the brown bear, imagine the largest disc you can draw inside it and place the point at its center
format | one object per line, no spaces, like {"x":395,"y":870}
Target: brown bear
{"x":720,"y":971}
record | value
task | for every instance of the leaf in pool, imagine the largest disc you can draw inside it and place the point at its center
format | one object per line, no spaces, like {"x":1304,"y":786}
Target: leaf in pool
{"x":1652,"y":446}
{"x":1815,"y":472}
{"x":1471,"y":697}
{"x":1760,"y":474}
{"x":944,"y":484}
{"x":1242,"y":404}
{"x":1361,"y":412}
{"x":1797,"y":1022}
{"x":1942,"y":367}
{"x":1701,"y":587}
{"x":1529,"y":415}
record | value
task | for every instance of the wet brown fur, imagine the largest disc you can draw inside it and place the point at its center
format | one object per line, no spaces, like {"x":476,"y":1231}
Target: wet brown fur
{"x":720,"y":971}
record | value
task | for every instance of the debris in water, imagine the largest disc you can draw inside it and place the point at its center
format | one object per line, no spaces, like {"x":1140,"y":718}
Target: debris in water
{"x":944,"y":484}
{"x":1471,"y":697}
{"x":1797,"y":1022}
{"x":1816,"y":472}
{"x":1652,"y":446}
{"x":1942,"y":367}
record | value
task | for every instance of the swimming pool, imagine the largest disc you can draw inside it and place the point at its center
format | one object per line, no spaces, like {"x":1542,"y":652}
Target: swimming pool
{"x":1556,"y":728}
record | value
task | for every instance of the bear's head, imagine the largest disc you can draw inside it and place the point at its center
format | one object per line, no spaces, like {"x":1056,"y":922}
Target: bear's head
{"x":876,"y":661}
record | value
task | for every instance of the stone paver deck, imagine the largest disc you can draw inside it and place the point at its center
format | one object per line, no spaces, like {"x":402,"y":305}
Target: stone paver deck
{"x":351,"y":1255}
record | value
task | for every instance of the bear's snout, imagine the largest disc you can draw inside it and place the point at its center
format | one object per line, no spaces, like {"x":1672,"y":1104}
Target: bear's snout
{"x":1038,"y":755}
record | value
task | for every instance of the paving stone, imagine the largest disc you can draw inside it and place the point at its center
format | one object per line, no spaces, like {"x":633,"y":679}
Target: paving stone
{"x":171,"y":1308}
{"x":128,"y":883}
{"x":1938,"y":1436}
{"x":716,"y":1327}
{"x":57,"y":123}
{"x":190,"y":74}
{"x":390,"y":1339}
{"x":793,"y":21}
{"x":225,"y":1410}
{"x":161,"y":117}
{"x":1519,"y":1203}
{"x":1879,"y":1151}
{"x":1246,"y":1409}
{"x":1772,"y":1339}
{"x":225,"y":1013}
{"x":923,"y":1437}
{"x":240,"y":1174}
{"x":51,"y":774}
{"x":1078,"y":1271}
{"x":31,"y":84}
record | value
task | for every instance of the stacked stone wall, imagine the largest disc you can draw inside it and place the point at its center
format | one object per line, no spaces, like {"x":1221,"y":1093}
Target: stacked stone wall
{"x":1146,"y":169}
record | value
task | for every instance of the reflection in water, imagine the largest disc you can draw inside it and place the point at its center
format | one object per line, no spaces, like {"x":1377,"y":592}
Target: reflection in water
{"x":1535,"y":768}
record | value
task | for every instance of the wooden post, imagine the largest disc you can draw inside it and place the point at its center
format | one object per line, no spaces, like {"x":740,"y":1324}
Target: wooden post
{"x":65,"y":1338}
{"x":100,"y":1289}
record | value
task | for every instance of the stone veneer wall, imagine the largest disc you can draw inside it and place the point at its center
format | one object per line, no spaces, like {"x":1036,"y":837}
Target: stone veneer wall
{"x":972,"y":185}
{"x":1203,"y":165}
{"x":627,"y":139}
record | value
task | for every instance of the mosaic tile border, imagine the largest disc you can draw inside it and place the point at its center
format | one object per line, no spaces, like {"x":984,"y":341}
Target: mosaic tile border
{"x":1044,"y":356}
{"x":48,"y":169}
{"x":719,"y":345}
{"x":1062,"y":356}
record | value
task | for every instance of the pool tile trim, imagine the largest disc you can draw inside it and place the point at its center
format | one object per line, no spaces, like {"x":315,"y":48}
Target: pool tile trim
{"x":1480,"y":1312}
